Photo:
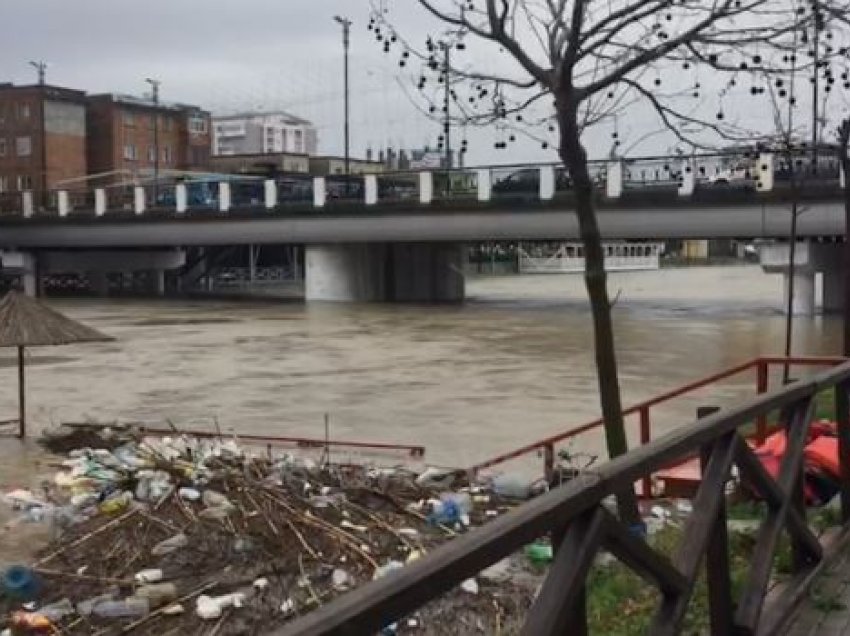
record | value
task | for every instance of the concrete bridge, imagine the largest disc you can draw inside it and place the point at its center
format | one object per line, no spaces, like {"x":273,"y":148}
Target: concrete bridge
{"x":398,"y":236}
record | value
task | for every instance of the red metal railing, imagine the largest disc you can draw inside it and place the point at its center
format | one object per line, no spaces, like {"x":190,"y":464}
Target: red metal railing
{"x":761,"y":365}
{"x":416,"y":452}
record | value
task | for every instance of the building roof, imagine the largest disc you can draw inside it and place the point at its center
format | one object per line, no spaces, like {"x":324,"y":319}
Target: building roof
{"x":350,"y":159}
{"x":293,"y":119}
{"x":49,"y":89}
{"x":144,"y":102}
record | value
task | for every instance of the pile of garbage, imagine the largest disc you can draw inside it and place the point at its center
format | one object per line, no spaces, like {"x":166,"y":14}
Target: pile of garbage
{"x":179,"y":535}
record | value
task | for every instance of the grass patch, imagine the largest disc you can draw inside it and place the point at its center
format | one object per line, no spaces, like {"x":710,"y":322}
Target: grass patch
{"x":620,"y":603}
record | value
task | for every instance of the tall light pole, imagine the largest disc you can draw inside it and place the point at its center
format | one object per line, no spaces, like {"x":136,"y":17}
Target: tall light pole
{"x":447,"y":127}
{"x":41,"y":67}
{"x":346,"y":29}
{"x":155,"y":98}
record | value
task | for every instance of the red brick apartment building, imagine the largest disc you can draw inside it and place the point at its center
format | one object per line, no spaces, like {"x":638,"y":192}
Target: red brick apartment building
{"x":42,"y":138}
{"x":122,"y":137}
{"x":54,"y":138}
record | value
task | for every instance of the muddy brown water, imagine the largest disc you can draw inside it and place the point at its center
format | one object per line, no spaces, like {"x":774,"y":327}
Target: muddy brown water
{"x":512,"y":364}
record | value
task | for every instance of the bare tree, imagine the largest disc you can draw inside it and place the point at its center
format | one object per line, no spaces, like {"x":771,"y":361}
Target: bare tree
{"x":593,"y":58}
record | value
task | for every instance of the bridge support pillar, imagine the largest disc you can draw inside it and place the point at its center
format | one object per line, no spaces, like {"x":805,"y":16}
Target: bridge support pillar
{"x":99,"y":283}
{"x":803,"y":302}
{"x":157,"y":282}
{"x":24,"y":265}
{"x":345,"y":272}
{"x":427,"y":272}
{"x":30,"y":275}
{"x":376,"y":272}
{"x":809,"y":258}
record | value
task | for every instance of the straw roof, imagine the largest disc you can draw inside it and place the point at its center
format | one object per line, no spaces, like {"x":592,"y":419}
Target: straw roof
{"x":25,"y":322}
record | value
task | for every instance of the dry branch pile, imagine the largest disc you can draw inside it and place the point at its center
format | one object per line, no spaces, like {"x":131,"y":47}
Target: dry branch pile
{"x":188,"y":536}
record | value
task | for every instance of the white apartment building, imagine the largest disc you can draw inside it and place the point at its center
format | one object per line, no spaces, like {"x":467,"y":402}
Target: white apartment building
{"x":263,"y":133}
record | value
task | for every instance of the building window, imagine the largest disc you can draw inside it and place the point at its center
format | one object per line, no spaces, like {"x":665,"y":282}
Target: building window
{"x":23,"y":110}
{"x":23,"y":146}
{"x":24,"y":182}
{"x":129,"y":119}
{"x":130,"y":153}
{"x":299,"y":141}
{"x":197,"y":125}
{"x":166,"y":154}
{"x":2,"y":147}
{"x":151,"y":154}
{"x":4,"y":184}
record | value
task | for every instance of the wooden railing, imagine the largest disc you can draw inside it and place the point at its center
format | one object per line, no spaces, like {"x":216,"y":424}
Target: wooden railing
{"x":580,"y":526}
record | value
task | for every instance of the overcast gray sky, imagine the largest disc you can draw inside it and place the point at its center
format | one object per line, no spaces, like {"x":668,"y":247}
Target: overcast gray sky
{"x":229,"y":55}
{"x":225,"y":55}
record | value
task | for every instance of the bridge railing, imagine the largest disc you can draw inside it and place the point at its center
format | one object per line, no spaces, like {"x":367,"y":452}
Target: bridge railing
{"x":706,"y":177}
{"x":580,"y":524}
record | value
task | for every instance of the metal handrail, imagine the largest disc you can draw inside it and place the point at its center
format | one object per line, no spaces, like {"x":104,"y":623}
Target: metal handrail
{"x":761,"y":365}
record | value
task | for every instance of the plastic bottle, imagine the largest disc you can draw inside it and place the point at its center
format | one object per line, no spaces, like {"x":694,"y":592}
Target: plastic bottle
{"x":20,"y":582}
{"x":57,"y":611}
{"x":452,"y":508}
{"x":131,"y":607}
{"x":213,"y":499}
{"x":86,"y":607}
{"x":170,"y":545}
{"x":539,"y":552}
{"x":512,"y":486}
{"x":157,"y":594}
{"x":148,"y":576}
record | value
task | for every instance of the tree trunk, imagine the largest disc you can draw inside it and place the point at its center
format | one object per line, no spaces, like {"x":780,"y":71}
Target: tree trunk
{"x":843,"y":139}
{"x":575,"y":159}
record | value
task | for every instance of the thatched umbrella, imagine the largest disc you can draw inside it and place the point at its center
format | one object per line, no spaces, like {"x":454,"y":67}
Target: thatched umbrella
{"x":25,"y":322}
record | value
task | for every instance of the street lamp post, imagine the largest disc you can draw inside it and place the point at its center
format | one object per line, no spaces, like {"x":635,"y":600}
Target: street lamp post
{"x":346,"y":28}
{"x":41,"y":68}
{"x":155,"y":98}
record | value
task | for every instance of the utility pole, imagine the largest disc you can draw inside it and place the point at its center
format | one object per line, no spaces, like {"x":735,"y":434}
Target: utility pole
{"x":346,"y":29}
{"x":816,"y":25}
{"x":41,"y":67}
{"x":447,"y":127}
{"x":155,"y":98}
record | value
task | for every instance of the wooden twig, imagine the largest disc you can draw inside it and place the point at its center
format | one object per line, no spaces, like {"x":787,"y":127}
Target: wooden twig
{"x":81,"y":577}
{"x":115,"y":522}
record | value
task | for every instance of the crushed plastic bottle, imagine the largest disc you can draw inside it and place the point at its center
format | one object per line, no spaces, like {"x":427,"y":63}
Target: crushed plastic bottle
{"x":86,"y":607}
{"x":170,"y":545}
{"x":157,"y":594}
{"x":539,"y":552}
{"x":383,"y":570}
{"x":451,"y":509}
{"x":189,"y":494}
{"x":55,"y":612}
{"x":213,"y":499}
{"x":512,"y":486}
{"x":148,"y":576}
{"x":130,"y":607}
{"x":116,"y":502}
{"x":211,"y":607}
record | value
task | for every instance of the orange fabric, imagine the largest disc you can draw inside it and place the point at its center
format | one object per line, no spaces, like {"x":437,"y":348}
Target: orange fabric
{"x":822,"y":453}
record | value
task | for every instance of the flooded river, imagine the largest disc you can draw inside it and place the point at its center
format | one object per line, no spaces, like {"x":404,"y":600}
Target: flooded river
{"x":512,"y":364}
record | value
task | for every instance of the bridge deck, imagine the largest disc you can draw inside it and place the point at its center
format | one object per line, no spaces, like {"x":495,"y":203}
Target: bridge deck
{"x":826,"y":610}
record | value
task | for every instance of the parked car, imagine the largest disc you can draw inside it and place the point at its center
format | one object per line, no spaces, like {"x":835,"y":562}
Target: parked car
{"x":527,"y":180}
